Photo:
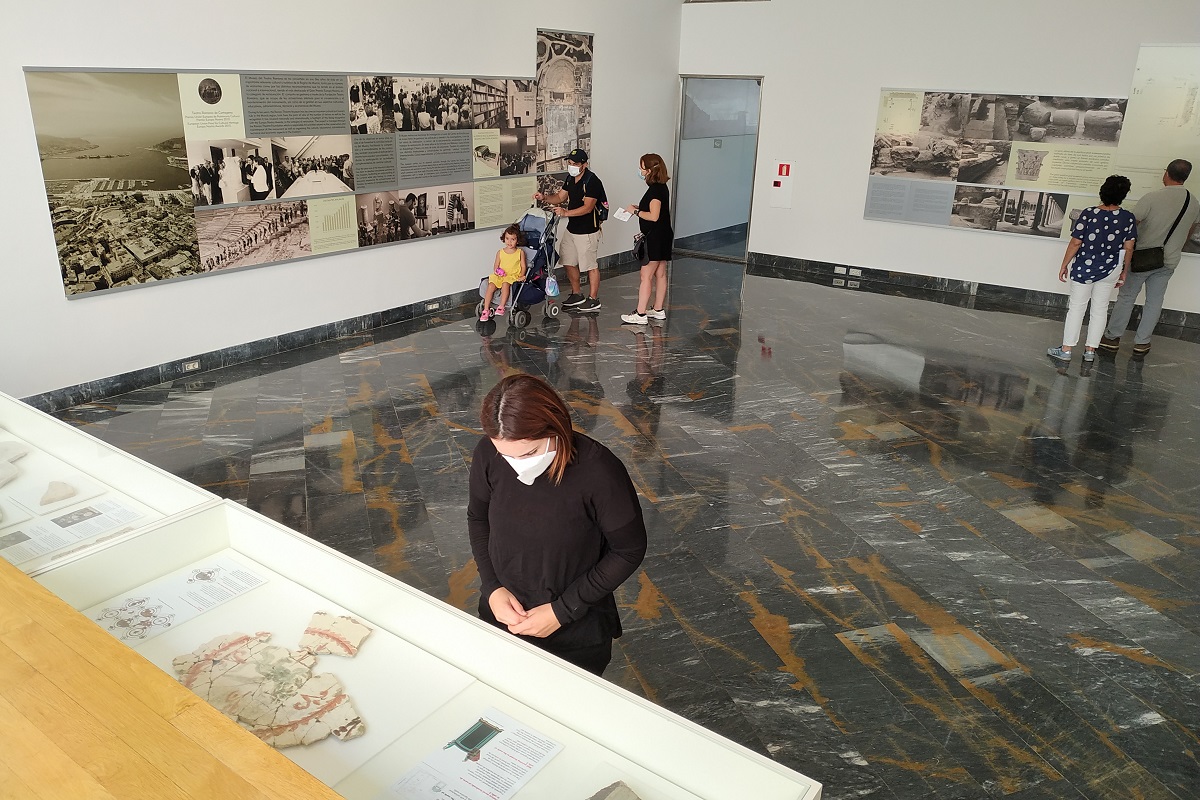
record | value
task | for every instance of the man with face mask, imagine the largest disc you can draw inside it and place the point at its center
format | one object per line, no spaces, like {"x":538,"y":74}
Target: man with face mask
{"x":580,"y":244}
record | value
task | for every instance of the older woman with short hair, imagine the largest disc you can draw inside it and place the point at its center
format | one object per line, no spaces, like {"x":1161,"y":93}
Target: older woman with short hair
{"x":1097,"y":261}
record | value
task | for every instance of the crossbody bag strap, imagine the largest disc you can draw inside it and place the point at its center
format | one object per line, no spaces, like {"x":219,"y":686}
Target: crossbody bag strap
{"x":1187,"y":199}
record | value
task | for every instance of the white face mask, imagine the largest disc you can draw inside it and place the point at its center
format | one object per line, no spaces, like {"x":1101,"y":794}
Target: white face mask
{"x":529,"y":468}
{"x":573,"y":170}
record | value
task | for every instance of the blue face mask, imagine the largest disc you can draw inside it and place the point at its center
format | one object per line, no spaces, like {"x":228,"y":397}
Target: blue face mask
{"x":641,"y":177}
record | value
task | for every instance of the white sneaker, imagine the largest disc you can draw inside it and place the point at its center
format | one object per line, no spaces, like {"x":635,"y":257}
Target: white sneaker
{"x":656,"y":313}
{"x":635,"y":318}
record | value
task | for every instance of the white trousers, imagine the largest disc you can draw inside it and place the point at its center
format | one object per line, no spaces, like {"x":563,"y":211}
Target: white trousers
{"x":1098,"y":293}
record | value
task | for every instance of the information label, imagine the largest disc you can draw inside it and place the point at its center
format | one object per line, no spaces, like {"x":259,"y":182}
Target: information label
{"x":492,"y":759}
{"x":434,"y":157}
{"x":500,"y":202}
{"x":174,"y":599}
{"x":294,"y":104}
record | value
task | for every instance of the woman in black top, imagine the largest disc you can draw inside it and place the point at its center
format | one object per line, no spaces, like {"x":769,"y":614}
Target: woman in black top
{"x":654,"y":217}
{"x":555,"y":525}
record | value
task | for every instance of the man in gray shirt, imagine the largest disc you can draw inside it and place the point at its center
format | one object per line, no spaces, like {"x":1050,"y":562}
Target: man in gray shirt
{"x":1155,"y":214}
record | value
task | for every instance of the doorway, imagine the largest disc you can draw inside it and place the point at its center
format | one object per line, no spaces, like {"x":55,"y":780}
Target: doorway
{"x":714,"y":166}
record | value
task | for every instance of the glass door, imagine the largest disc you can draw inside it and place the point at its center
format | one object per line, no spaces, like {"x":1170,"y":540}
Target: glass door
{"x":714,"y":166}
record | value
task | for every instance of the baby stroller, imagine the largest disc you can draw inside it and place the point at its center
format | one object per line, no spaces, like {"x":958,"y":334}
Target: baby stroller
{"x":540,"y":258}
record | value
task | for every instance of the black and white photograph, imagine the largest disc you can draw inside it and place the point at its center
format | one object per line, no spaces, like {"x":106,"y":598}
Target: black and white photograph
{"x":225,"y":171}
{"x":549,"y":183}
{"x":564,"y":86}
{"x":990,"y":117}
{"x":1089,"y":121}
{"x":945,"y":113}
{"x":421,"y":103}
{"x":983,"y":161}
{"x":117,"y":179}
{"x":373,"y":104}
{"x":921,"y":155}
{"x":385,"y":217}
{"x":244,"y":236}
{"x":446,"y":209}
{"x":504,"y":104}
{"x":518,"y":151}
{"x":308,"y":166}
{"x":1009,"y":210}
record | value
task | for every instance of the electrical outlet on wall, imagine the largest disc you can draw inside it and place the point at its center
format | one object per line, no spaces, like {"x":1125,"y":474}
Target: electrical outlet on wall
{"x":191,"y":366}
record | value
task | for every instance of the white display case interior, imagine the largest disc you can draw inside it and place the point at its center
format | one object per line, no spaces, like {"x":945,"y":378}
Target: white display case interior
{"x":425,"y":673}
{"x":63,"y":491}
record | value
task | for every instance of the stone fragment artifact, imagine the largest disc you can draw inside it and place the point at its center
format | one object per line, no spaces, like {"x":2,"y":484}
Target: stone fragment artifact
{"x":615,"y":791}
{"x":269,"y":690}
{"x":56,"y":492}
{"x":334,"y":636}
{"x":7,"y":472}
{"x":11,"y":451}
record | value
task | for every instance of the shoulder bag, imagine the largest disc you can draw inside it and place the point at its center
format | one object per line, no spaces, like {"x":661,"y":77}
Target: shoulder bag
{"x":641,"y":253}
{"x":1151,"y":258}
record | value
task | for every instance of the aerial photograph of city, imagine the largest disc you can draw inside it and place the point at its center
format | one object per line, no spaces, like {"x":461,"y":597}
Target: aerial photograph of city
{"x":116,"y":173}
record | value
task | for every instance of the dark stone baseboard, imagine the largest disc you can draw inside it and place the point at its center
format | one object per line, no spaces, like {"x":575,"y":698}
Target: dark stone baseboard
{"x":965,"y":294}
{"x":713,"y":239}
{"x":433,"y":311}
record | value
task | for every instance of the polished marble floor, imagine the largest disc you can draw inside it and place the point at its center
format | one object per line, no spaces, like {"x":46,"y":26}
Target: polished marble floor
{"x":892,"y":546}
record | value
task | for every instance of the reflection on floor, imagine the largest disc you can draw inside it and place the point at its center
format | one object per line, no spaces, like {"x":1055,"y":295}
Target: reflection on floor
{"x":891,"y":546}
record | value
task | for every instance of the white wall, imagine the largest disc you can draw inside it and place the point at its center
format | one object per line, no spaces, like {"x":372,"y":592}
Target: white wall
{"x":715,"y":182}
{"x":824,"y":64}
{"x":50,"y":342}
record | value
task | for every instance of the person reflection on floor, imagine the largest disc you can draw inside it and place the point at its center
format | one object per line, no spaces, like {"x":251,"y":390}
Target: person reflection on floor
{"x":646,"y":387}
{"x":1048,"y":441}
{"x":578,"y":363}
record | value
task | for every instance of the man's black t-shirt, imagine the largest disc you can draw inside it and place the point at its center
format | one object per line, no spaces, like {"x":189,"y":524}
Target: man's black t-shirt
{"x":585,"y":185}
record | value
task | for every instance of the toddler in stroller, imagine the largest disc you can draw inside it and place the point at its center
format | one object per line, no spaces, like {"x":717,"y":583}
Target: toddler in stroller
{"x":507,"y":270}
{"x":536,"y":238}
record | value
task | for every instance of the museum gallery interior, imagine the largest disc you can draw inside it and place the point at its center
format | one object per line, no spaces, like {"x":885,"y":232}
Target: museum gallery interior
{"x":893,"y":549}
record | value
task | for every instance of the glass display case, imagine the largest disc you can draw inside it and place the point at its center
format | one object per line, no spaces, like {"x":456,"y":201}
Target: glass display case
{"x":63,"y":491}
{"x":369,"y":679}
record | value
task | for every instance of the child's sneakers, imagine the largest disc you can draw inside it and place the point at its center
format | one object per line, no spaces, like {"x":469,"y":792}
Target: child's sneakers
{"x":499,"y":311}
{"x":485,"y":316}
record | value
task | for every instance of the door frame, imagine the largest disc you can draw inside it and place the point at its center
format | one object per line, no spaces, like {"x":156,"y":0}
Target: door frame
{"x":683,"y":78}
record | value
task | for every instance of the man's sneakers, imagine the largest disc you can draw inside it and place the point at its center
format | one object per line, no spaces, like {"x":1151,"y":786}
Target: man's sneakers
{"x":634,"y":318}
{"x":589,"y":306}
{"x":656,"y":313}
{"x":573,"y":300}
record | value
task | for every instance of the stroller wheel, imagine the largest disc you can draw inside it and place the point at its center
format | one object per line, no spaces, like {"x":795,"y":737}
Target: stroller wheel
{"x":552,"y":310}
{"x":520,"y":318}
{"x":478,"y":308}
